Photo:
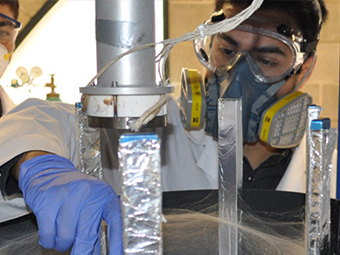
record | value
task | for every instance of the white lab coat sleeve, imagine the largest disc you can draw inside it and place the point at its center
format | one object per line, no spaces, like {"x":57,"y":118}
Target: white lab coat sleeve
{"x":36,"y":125}
{"x":190,"y":158}
{"x":294,"y":179}
{"x":6,"y":102}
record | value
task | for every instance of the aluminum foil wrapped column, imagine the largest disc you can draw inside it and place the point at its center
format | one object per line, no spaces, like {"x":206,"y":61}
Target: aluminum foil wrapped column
{"x":313,"y":113}
{"x":230,"y":172}
{"x":88,"y":145}
{"x":89,"y":156}
{"x":141,"y":197}
{"x":321,"y":146}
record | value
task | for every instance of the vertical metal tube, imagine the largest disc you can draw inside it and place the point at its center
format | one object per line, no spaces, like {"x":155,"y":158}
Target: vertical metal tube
{"x":141,"y":197}
{"x":313,"y":113}
{"x":321,"y":146}
{"x":88,"y":145}
{"x":89,"y":157}
{"x":120,"y":26}
{"x":230,"y":172}
{"x":126,"y":88}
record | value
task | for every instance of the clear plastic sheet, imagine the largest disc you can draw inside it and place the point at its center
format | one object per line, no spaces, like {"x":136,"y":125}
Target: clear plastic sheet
{"x":195,"y":231}
{"x":27,"y":244}
{"x":321,"y":146}
{"x":141,"y":198}
{"x":230,"y":171}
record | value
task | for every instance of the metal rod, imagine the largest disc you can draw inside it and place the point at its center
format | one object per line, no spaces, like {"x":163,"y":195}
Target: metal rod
{"x":230,"y":172}
{"x":321,"y":146}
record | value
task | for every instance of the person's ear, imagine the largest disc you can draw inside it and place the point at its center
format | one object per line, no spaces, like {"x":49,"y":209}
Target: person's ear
{"x":306,"y":70}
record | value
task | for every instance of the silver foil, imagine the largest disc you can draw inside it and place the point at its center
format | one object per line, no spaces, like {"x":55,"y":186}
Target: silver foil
{"x":141,"y":198}
{"x":313,"y":113}
{"x":321,"y":146}
{"x":88,"y":145}
{"x":89,"y":157}
{"x":230,"y":172}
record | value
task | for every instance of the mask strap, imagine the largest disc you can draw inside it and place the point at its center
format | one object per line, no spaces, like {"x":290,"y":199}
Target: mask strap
{"x":258,"y":104}
{"x":307,"y":73}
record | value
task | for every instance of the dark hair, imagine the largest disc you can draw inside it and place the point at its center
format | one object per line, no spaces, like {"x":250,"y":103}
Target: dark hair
{"x":306,"y":12}
{"x":13,"y":6}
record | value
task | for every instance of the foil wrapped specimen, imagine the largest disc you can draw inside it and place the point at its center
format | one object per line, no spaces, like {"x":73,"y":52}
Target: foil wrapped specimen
{"x":88,"y":145}
{"x":230,"y":172}
{"x":89,"y":157}
{"x":321,"y":145}
{"x":141,"y":197}
{"x":313,"y":113}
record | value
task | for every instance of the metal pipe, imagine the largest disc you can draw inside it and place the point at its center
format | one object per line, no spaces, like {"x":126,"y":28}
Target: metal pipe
{"x":230,"y":173}
{"x":321,"y":146}
{"x":120,"y":26}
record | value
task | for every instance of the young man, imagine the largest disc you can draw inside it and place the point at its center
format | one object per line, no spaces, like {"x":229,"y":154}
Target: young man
{"x":264,"y":59}
{"x":69,"y":205}
{"x":269,"y":56}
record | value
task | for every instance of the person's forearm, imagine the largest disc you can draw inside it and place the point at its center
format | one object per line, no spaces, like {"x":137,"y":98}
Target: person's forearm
{"x":26,"y":156}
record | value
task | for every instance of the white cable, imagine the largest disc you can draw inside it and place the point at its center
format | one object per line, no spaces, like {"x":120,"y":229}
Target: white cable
{"x":149,"y":114}
{"x":113,"y":61}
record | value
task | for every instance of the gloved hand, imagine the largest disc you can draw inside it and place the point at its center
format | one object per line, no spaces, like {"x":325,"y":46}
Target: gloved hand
{"x":69,"y":206}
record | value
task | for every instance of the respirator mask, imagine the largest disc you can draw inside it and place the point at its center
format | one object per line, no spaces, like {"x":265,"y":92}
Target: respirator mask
{"x":9,"y":28}
{"x":4,"y":59}
{"x":252,"y":63}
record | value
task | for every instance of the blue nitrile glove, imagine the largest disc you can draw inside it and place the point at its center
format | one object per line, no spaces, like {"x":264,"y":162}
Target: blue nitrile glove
{"x":69,"y":206}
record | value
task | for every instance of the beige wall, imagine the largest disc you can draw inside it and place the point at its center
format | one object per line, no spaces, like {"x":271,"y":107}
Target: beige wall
{"x":324,"y":82}
{"x":184,"y":17}
{"x":323,"y":85}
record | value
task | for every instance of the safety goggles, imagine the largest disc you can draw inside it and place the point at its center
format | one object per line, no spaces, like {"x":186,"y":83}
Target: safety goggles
{"x":9,"y":28}
{"x":272,"y":55}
